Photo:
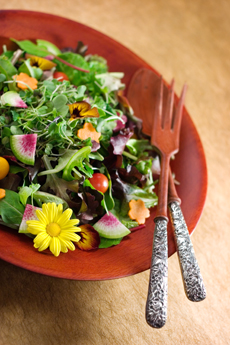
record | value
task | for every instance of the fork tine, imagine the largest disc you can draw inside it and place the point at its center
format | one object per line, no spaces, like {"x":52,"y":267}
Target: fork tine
{"x":167,"y":117}
{"x":179,"y":110}
{"x":157,"y":116}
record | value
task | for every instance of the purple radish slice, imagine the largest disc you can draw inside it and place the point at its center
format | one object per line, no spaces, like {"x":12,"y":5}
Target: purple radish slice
{"x":12,"y":99}
{"x":29,"y":214}
{"x":110,"y":227}
{"x":23,"y":147}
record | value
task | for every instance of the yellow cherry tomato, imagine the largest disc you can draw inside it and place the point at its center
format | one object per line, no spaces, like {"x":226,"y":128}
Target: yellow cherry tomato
{"x":2,"y":193}
{"x":4,"y":168}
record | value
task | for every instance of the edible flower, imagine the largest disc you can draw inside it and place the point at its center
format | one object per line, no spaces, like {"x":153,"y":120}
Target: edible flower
{"x":138,"y":211}
{"x":24,"y":81}
{"x":90,"y":238}
{"x":2,"y":193}
{"x":54,"y":229}
{"x":42,"y":63}
{"x":124,"y":102}
{"x":88,"y":131}
{"x":82,"y":109}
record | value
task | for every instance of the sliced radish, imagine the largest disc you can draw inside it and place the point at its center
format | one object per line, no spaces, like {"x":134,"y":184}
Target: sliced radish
{"x":110,"y":227}
{"x":23,"y":147}
{"x":29,"y":214}
{"x":12,"y":99}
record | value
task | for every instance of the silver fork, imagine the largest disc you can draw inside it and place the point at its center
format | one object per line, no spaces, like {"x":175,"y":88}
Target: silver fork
{"x":165,"y":137}
{"x":145,"y":83}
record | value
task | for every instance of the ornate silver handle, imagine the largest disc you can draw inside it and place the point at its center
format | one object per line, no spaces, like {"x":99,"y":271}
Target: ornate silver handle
{"x":193,"y":281}
{"x":156,"y":305}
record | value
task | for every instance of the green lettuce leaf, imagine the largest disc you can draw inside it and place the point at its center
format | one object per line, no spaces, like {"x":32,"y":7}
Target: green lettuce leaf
{"x":31,"y":48}
{"x":75,"y":76}
{"x":77,"y":161}
{"x":34,"y":72}
{"x":62,"y":162}
{"x":25,"y":192}
{"x":137,"y":147}
{"x":43,"y":197}
{"x":48,"y":46}
{"x":11,"y":209}
{"x":106,"y":242}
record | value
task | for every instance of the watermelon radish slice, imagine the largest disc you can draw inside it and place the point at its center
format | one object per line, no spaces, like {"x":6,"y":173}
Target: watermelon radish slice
{"x":12,"y":99}
{"x":110,"y":227}
{"x":29,"y":214}
{"x":23,"y":147}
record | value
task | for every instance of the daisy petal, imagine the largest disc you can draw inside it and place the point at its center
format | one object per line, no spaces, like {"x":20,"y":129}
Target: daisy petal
{"x":42,"y":217}
{"x":43,"y":245}
{"x":70,"y":223}
{"x":71,"y":229}
{"x":55,"y":246}
{"x":42,"y":236}
{"x":52,"y":212}
{"x":64,"y":218}
{"x":64,"y":248}
{"x":45,"y":210}
{"x":67,"y":244}
{"x":68,"y":236}
{"x":34,"y":227}
{"x":59,"y":212}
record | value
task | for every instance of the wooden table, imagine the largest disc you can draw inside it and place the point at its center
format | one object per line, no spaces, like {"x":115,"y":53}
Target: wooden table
{"x":190,"y":42}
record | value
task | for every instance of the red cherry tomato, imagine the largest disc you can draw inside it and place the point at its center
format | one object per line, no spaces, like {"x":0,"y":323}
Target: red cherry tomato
{"x":99,"y":182}
{"x":60,"y":76}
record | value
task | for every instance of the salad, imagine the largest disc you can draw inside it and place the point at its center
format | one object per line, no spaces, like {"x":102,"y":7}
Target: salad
{"x":75,"y":168}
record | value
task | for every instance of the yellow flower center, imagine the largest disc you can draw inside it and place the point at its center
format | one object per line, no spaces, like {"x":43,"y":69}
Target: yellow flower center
{"x":53,"y":229}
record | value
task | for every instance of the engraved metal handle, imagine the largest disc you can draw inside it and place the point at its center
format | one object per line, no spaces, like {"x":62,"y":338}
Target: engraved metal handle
{"x":156,"y":305}
{"x":193,"y":281}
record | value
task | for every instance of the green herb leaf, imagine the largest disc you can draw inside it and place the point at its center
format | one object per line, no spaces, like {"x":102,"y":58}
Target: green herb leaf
{"x":57,"y":185}
{"x":26,"y":192}
{"x":34,"y":72}
{"x":7,"y":68}
{"x":59,"y":103}
{"x":11,"y":209}
{"x":42,"y":197}
{"x":75,"y":76}
{"x":48,"y":46}
{"x":31,"y":48}
{"x":62,"y":162}
{"x":106,"y":242}
{"x":77,"y":161}
{"x":2,"y":77}
{"x":137,"y":147}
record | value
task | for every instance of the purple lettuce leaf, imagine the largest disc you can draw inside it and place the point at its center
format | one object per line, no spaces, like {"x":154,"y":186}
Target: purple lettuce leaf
{"x":119,"y":141}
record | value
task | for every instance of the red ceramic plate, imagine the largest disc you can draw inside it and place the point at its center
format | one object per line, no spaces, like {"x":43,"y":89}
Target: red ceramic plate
{"x":132,"y":255}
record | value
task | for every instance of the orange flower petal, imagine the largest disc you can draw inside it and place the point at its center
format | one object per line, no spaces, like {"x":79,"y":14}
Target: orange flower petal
{"x":82,"y":109}
{"x":25,"y":78}
{"x":40,"y":62}
{"x":88,"y":131}
{"x":90,"y":238}
{"x":138,"y":211}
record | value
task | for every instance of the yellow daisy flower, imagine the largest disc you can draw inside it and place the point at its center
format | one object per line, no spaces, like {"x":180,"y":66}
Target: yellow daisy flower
{"x":54,"y":229}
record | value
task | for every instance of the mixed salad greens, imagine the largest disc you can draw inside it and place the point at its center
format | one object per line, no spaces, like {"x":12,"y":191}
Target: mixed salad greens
{"x":69,"y":136}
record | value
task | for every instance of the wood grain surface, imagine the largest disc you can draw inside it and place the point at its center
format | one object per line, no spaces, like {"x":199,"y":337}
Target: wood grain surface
{"x":188,"y":41}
